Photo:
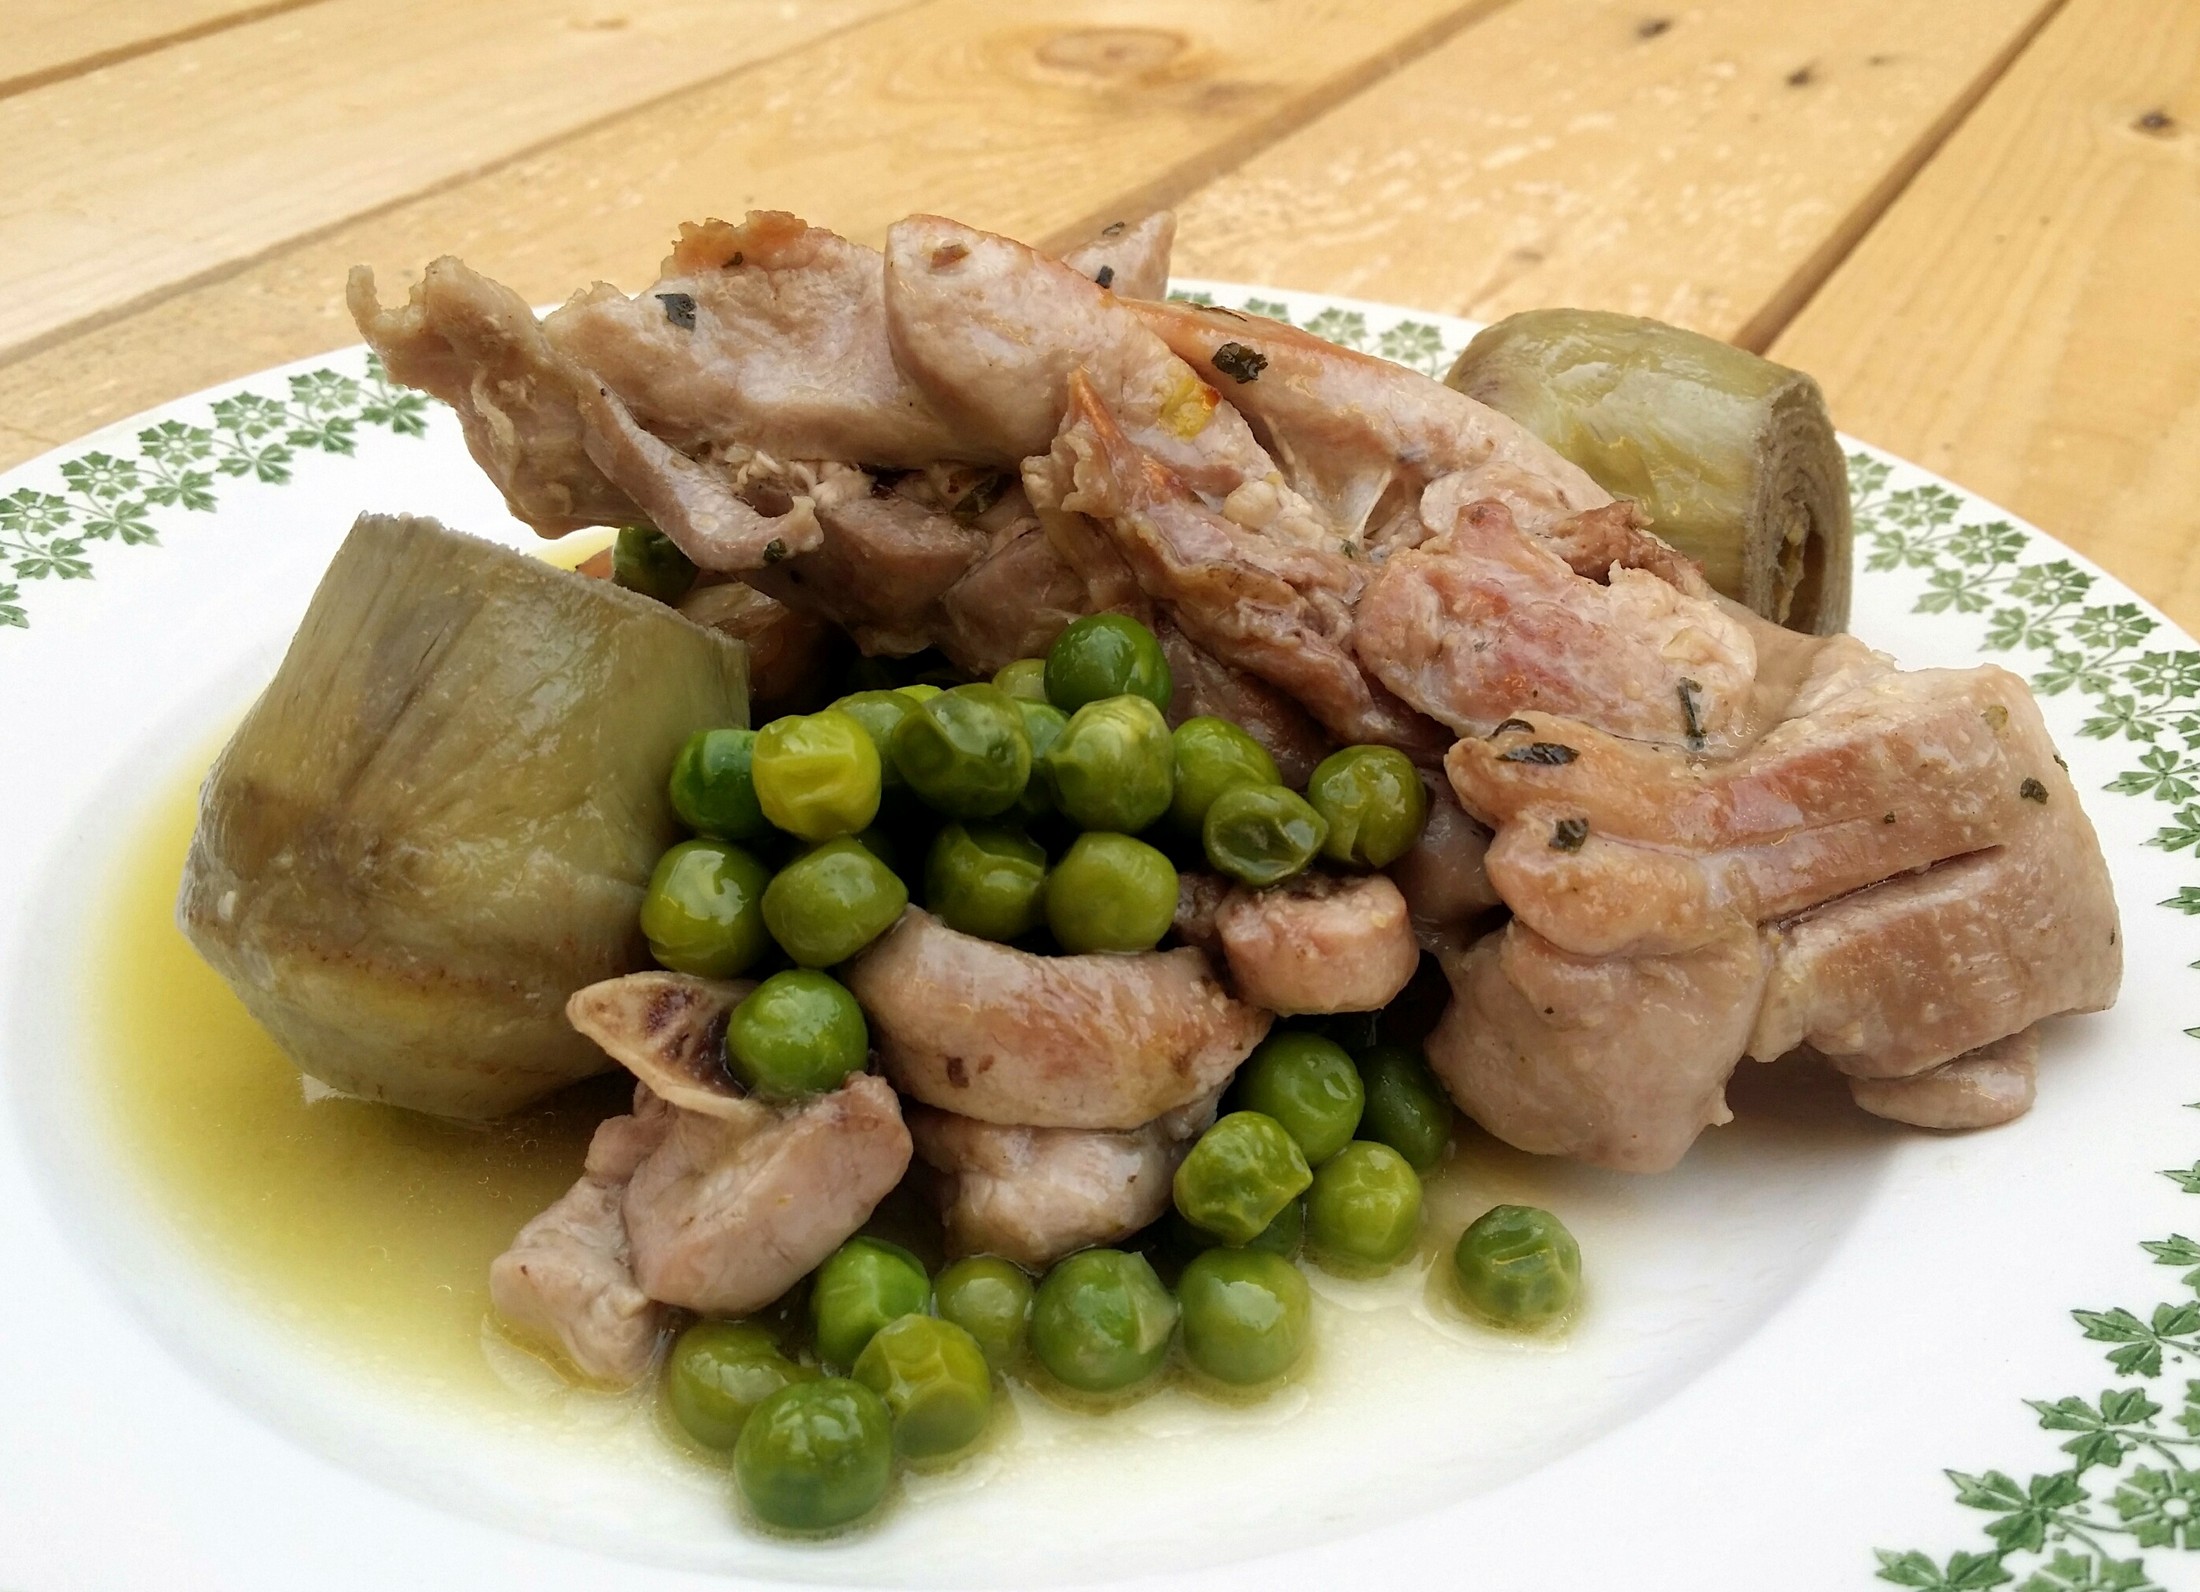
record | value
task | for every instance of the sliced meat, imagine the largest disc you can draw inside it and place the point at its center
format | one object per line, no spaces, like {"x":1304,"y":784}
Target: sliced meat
{"x":787,"y":650}
{"x":1033,"y":1195}
{"x":1011,"y":604}
{"x":1482,"y":623}
{"x":1207,"y":685}
{"x":1002,"y":1035}
{"x":1442,"y":875}
{"x":1199,"y":897}
{"x":1982,"y":1088}
{"x":1129,"y":257}
{"x":1319,"y":943}
{"x":1616,"y":1061}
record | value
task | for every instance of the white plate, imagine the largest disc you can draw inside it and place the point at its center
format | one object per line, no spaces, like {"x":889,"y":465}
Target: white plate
{"x":1787,"y":1339}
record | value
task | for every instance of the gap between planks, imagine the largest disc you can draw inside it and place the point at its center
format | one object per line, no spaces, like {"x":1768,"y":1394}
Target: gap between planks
{"x":130,"y":50}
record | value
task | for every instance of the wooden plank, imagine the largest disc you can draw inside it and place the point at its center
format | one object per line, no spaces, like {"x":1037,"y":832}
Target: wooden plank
{"x":133,"y":179}
{"x":1035,"y":120}
{"x":46,"y":40}
{"x":2026,"y":320}
{"x":1694,"y":165}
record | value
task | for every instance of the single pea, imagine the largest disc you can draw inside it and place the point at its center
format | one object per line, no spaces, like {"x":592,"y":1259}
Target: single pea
{"x":1245,"y":1315}
{"x":1364,"y":1207}
{"x":986,"y":880}
{"x":1111,"y":767}
{"x":717,"y":1374}
{"x":703,"y":911}
{"x":1262,"y":834}
{"x":863,"y":1284}
{"x":964,"y":752}
{"x":1111,"y":893}
{"x":1101,"y":1321}
{"x":646,"y":560}
{"x":1105,"y":655}
{"x":990,"y":1299}
{"x":712,"y":789}
{"x":1282,"y":1236}
{"x":830,"y":902}
{"x":1518,"y":1266}
{"x":1239,"y":1177}
{"x":1309,"y":1085}
{"x":879,"y":844}
{"x":1043,"y":726}
{"x":880,"y":712}
{"x":935,"y":1382}
{"x":1210,"y":755}
{"x":920,"y":690}
{"x":797,"y":1033}
{"x":815,"y":1455}
{"x":1025,"y":679}
{"x":817,"y":774}
{"x":1373,"y":802}
{"x":1406,"y":1108}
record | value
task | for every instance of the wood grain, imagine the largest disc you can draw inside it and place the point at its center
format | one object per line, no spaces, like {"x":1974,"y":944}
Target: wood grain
{"x":215,"y":150}
{"x":46,"y":40}
{"x":1036,"y":120}
{"x":1695,"y":165}
{"x":2026,"y":320}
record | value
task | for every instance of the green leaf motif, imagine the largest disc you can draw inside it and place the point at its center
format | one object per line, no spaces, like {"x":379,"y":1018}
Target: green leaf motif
{"x":2082,"y":1572}
{"x":2161,"y":1508}
{"x":1348,"y":327}
{"x":1965,"y":1572}
{"x":1271,"y":309}
{"x":1416,"y":344}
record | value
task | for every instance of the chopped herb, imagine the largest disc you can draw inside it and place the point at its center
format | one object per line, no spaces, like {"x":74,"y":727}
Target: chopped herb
{"x":1105,"y":276}
{"x":1548,"y":753}
{"x":1239,"y":363}
{"x":736,"y":260}
{"x":1510,"y":724}
{"x":679,"y":309}
{"x":2032,"y":791}
{"x":1568,"y":834}
{"x":2059,"y":763}
{"x":981,"y":497}
{"x":1691,"y":716}
{"x":1996,"y":717}
{"x":1888,"y":819}
{"x":774,"y":550}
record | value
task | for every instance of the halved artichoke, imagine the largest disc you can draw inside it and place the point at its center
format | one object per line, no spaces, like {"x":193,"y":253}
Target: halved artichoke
{"x":438,"y":820}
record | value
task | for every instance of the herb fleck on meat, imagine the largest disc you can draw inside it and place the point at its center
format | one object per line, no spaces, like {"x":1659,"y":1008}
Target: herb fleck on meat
{"x":1239,"y":363}
{"x":1510,"y":724}
{"x":1105,"y":276}
{"x":774,"y":550}
{"x":1691,"y":713}
{"x":2033,"y":791}
{"x":1548,"y":753}
{"x":679,"y":309}
{"x":1568,"y":834}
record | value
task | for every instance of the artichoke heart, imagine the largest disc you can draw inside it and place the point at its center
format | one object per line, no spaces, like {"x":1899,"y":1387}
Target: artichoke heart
{"x":438,"y":820}
{"x":1732,"y":456}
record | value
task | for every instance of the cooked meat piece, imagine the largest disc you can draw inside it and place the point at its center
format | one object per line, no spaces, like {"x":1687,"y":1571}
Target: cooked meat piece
{"x":1982,"y":1088}
{"x":1611,"y":846}
{"x":732,"y":1211}
{"x":1483,"y":622}
{"x":1359,"y":436}
{"x":991,"y":1032}
{"x":475,"y":344}
{"x":1011,"y":604}
{"x":769,"y":335}
{"x":1207,"y":685}
{"x":787,"y":650}
{"x":1279,"y":612}
{"x":669,"y":1030}
{"x":1617,"y":1061}
{"x":1199,"y":896}
{"x":1442,"y":876}
{"x":1133,"y":255}
{"x":1319,"y":943}
{"x":1033,"y":1195}
{"x":568,"y":1280}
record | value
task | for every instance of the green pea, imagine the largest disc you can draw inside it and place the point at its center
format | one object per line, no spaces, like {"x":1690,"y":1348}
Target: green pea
{"x":1406,"y":1108}
{"x":1262,"y":834}
{"x":920,"y":690}
{"x":964,"y":752}
{"x":880,"y":712}
{"x":712,"y":789}
{"x":864,"y":1284}
{"x":1210,"y":755}
{"x":1282,"y":1236}
{"x":1105,"y":655}
{"x":1245,"y":1315}
{"x":990,"y":1299}
{"x":719,"y":1372}
{"x":1239,"y":1177}
{"x":1043,"y":726}
{"x":1111,"y":893}
{"x":1364,"y":1208}
{"x":817,"y":774}
{"x":935,"y":1382}
{"x":815,"y":1455}
{"x":646,"y":560}
{"x":986,"y":880}
{"x":1373,"y":802}
{"x":1025,"y":679}
{"x":1309,"y":1085}
{"x":830,"y":902}
{"x":702,"y":913}
{"x":1518,"y":1266}
{"x":1101,"y":1321}
{"x":796,"y":1034}
{"x":879,"y":844}
{"x":1111,"y":767}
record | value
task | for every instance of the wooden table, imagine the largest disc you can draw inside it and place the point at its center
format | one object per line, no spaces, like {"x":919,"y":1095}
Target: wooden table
{"x":1976,"y":221}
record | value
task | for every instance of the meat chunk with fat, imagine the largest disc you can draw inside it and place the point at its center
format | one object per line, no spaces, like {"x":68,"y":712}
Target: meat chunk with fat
{"x":1098,"y":1041}
{"x":1130,"y":258}
{"x":788,"y":650}
{"x":1318,"y":943}
{"x":1981,"y":1088}
{"x":1442,"y":875}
